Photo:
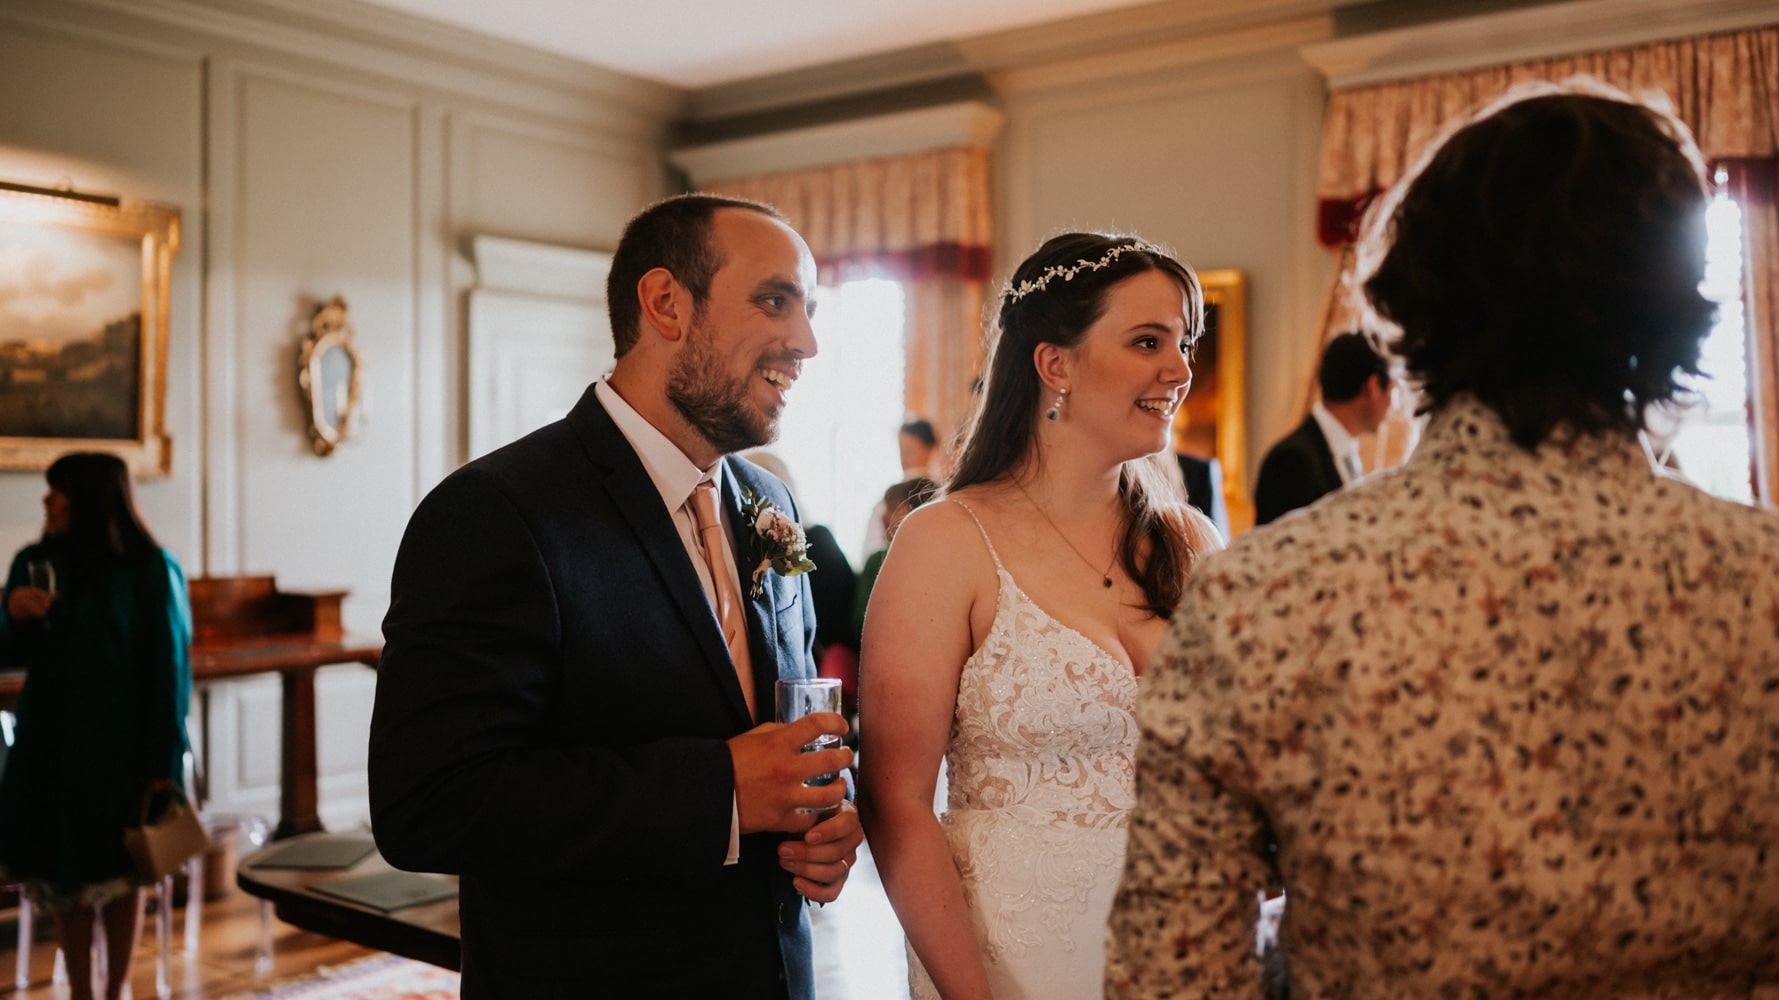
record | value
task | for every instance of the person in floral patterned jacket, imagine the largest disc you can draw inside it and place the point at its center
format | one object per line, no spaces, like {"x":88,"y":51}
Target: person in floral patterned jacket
{"x":1503,"y":722}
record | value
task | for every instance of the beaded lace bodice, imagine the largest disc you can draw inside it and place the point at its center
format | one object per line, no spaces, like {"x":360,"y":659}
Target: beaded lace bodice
{"x":1045,"y":721}
{"x":1041,"y":781}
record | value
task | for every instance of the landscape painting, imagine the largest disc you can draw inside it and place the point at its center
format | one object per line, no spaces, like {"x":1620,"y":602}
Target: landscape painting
{"x":83,"y":327}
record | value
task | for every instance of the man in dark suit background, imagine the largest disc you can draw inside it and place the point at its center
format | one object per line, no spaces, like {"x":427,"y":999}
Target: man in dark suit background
{"x":1322,"y":454}
{"x":1204,"y":488}
{"x":567,"y":704}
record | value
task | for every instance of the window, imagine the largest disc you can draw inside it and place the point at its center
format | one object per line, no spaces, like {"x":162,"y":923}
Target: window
{"x":838,"y":434}
{"x":1711,"y":445}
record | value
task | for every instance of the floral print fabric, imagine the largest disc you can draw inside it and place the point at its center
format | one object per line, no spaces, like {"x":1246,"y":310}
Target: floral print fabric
{"x":1501,"y":724}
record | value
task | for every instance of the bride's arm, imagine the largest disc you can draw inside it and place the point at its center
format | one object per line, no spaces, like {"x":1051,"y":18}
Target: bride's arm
{"x":917,"y":636}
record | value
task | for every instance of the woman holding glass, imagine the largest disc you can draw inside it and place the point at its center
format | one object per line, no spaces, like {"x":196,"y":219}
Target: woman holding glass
{"x":1009,"y":624}
{"x":97,"y":614}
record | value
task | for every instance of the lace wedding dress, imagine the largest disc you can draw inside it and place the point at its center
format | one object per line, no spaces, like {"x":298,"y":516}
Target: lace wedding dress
{"x":1041,"y":768}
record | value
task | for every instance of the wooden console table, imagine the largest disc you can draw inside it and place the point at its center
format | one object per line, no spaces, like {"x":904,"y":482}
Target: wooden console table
{"x":243,"y":625}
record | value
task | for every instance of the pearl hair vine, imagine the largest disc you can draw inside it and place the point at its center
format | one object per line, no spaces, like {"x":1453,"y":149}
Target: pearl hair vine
{"x":1067,"y":272}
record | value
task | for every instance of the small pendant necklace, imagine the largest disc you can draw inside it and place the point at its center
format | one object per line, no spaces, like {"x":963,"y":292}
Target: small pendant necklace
{"x":1105,"y":575}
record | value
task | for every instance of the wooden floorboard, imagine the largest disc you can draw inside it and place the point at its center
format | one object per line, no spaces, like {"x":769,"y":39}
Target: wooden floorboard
{"x":222,"y":967}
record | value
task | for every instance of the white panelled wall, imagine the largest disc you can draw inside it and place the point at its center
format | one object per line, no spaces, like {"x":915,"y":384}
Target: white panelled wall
{"x":333,"y":150}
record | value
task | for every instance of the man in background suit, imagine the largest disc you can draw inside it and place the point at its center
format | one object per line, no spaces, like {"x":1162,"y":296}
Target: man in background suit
{"x":1204,"y":488}
{"x":1322,"y":454}
{"x":567,"y":704}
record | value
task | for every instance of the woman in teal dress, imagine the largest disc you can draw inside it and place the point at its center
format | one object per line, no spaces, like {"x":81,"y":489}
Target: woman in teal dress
{"x":103,"y":639}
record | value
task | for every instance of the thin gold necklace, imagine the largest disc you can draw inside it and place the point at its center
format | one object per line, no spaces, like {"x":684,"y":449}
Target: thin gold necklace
{"x":1105,"y":574}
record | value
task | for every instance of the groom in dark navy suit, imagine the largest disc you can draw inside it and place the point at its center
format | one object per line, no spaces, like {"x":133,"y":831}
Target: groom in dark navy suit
{"x":574,"y":706}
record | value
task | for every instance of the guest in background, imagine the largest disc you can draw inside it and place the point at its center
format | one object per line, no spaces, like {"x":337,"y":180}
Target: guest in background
{"x":898,"y":502}
{"x":1322,"y":454}
{"x":1204,"y":488}
{"x":97,"y":614}
{"x":919,"y":448}
{"x":1501,"y":723}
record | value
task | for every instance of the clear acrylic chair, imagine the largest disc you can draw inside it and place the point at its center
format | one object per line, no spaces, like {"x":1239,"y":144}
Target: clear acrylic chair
{"x":253,"y":833}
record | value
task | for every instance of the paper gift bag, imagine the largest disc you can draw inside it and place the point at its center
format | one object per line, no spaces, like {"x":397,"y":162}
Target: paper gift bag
{"x":163,"y":846}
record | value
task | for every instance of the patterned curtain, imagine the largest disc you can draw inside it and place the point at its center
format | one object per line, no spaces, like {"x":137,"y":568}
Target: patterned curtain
{"x":1724,"y":87}
{"x":922,"y":220}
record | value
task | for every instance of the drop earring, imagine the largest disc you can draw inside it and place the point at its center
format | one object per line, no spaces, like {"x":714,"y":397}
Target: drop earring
{"x":1062,"y":396}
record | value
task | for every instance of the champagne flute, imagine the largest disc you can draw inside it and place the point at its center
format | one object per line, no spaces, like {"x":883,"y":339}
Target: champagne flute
{"x":41,"y":573}
{"x":801,"y":696}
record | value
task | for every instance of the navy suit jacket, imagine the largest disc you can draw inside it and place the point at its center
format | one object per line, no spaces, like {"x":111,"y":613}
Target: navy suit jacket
{"x":1296,"y":472}
{"x":1204,"y":488}
{"x":550,"y":719}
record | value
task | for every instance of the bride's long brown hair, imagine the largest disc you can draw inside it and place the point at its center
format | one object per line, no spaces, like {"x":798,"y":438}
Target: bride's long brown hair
{"x":1001,"y":438}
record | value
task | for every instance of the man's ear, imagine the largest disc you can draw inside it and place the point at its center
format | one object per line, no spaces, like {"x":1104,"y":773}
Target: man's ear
{"x":1053,"y":364}
{"x":666,"y":306}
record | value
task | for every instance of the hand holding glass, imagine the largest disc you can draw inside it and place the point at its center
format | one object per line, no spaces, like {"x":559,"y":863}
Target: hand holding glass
{"x":803,"y":696}
{"x":41,"y":573}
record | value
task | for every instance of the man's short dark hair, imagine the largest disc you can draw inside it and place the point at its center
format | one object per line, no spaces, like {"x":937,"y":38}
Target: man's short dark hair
{"x":1546,"y":260}
{"x":673,"y":233}
{"x":921,"y":430}
{"x":1348,"y":363}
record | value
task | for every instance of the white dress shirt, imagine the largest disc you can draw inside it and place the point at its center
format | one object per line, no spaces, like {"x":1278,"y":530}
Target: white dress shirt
{"x":674,"y":476}
{"x":1344,"y":446}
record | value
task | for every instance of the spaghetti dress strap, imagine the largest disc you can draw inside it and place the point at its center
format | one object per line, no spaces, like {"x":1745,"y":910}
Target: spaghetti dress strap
{"x":992,"y":554}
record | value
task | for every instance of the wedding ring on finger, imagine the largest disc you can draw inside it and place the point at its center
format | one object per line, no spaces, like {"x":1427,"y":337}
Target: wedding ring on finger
{"x":845,"y":867}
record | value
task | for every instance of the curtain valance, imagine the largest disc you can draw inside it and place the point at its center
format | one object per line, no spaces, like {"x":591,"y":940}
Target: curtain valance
{"x":915,"y":217}
{"x":1721,"y":86}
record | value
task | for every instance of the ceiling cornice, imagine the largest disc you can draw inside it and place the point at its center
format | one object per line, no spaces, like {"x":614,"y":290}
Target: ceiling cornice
{"x":965,"y":123}
{"x":372,"y":39}
{"x":1530,"y":33}
{"x":1180,"y":24}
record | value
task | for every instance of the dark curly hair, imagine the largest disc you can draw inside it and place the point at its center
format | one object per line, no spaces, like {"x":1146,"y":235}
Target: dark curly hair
{"x":673,"y":233}
{"x":1546,"y":259}
{"x":1001,"y":437}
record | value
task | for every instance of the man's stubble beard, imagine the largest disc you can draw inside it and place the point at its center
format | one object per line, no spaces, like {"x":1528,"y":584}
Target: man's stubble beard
{"x":713,"y":402}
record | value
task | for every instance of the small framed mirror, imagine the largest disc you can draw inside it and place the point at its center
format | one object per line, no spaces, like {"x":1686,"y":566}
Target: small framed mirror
{"x":328,"y":371}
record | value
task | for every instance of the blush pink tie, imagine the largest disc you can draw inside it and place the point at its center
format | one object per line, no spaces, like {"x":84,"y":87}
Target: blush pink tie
{"x":728,"y":589}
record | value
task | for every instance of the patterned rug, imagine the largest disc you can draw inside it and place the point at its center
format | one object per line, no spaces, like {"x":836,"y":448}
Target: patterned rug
{"x":380,"y":977}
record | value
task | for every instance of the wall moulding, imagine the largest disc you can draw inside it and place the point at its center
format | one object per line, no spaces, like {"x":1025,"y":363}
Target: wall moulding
{"x":963,"y":123}
{"x":1530,"y":33}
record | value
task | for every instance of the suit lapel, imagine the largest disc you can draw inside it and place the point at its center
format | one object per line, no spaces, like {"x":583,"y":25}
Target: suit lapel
{"x":634,"y":495}
{"x":762,"y":621}
{"x":1324,"y":455}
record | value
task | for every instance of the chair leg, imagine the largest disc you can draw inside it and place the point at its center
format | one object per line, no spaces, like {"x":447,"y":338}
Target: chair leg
{"x":194,"y":903}
{"x":262,"y":957}
{"x":21,"y":974}
{"x":163,"y":938}
{"x":101,"y":963}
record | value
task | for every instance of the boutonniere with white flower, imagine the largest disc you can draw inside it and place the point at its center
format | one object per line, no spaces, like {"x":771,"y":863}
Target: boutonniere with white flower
{"x":778,"y":541}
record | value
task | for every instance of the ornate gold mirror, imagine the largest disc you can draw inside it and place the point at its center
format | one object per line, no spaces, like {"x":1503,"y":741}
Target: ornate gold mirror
{"x":328,"y":372}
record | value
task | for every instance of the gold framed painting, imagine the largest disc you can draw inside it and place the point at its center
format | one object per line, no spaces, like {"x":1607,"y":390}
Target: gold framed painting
{"x":1210,"y":423}
{"x":83,"y":327}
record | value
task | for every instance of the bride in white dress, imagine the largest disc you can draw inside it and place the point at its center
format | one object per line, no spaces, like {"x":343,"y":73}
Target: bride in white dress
{"x":1008,"y":626}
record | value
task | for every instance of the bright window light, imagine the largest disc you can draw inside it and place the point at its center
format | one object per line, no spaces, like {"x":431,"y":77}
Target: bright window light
{"x":838,"y":434}
{"x":1712,"y":447}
